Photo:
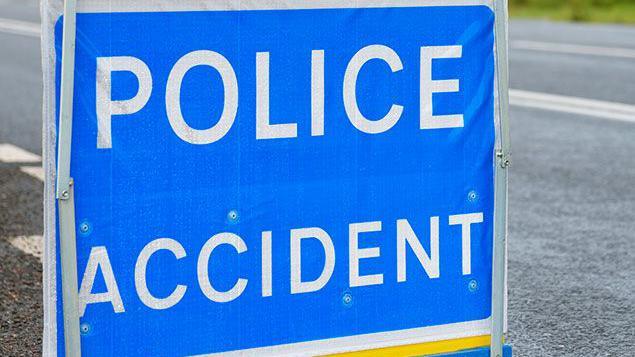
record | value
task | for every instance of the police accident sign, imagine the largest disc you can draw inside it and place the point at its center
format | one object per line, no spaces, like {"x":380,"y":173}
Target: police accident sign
{"x":275,"y":177}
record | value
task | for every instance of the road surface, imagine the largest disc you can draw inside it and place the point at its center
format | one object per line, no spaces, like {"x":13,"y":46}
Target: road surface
{"x":572,"y":193}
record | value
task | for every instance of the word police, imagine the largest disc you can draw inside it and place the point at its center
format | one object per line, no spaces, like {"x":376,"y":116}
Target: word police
{"x":99,"y":261}
{"x":106,"y":107}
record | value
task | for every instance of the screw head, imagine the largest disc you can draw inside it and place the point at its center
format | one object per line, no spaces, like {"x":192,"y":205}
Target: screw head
{"x":65,"y":194}
{"x":85,"y":228}
{"x":472,"y":196}
{"x":232,"y":216}
{"x":84,"y":328}
{"x":472,"y":285}
{"x":347,"y":299}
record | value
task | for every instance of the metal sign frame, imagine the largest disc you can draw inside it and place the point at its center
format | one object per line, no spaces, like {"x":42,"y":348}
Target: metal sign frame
{"x":64,"y":193}
{"x":503,"y":159}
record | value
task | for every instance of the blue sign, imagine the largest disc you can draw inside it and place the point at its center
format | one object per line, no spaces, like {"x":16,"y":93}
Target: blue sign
{"x":282,"y":181}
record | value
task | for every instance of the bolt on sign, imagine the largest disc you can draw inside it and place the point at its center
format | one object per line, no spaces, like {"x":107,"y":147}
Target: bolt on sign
{"x":274,"y":177}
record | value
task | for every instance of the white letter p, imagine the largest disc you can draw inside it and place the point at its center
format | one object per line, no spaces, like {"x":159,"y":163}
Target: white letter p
{"x":106,"y":107}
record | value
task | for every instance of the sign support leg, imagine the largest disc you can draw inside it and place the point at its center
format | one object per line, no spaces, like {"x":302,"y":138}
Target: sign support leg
{"x":64,"y":190}
{"x":501,"y":171}
{"x":66,"y":207}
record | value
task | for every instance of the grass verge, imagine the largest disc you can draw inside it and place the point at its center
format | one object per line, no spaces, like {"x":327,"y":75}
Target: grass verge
{"x":575,"y":10}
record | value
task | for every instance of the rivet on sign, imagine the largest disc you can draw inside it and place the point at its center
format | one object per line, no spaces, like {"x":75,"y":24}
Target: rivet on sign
{"x":347,"y":299}
{"x":232,"y":216}
{"x":472,"y":285}
{"x":84,"y":228}
{"x":84,"y":328}
{"x":472,"y":196}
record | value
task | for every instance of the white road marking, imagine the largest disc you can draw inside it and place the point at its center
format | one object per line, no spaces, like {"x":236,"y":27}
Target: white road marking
{"x":573,"y":105}
{"x":573,"y":49}
{"x":18,"y":27}
{"x":32,"y":245}
{"x":34,"y":171}
{"x":12,"y":154}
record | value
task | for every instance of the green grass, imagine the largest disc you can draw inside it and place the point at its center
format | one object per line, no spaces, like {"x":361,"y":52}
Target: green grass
{"x":613,"y":11}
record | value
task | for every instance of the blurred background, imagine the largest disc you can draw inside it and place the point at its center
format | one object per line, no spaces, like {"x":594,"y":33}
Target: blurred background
{"x":616,"y":11}
{"x":572,"y":179}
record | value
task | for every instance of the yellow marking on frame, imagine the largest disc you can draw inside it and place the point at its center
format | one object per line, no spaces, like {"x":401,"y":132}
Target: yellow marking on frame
{"x":428,"y":348}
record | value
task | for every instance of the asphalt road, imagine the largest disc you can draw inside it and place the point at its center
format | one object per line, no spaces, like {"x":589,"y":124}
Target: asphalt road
{"x":572,"y":197}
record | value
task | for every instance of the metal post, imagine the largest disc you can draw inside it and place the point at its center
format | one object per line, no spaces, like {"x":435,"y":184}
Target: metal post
{"x":502,"y":163}
{"x":65,"y":192}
